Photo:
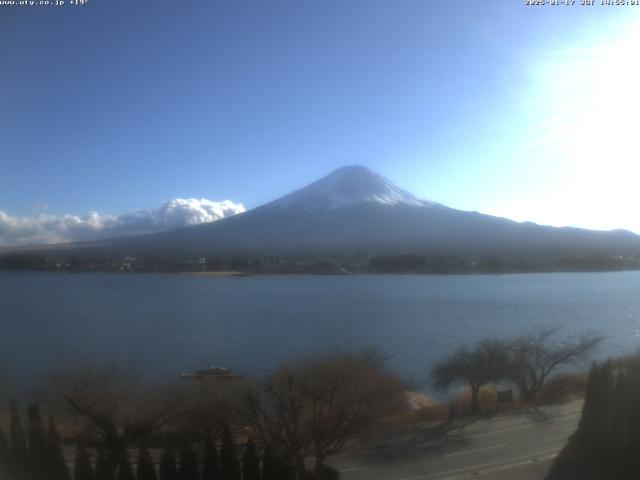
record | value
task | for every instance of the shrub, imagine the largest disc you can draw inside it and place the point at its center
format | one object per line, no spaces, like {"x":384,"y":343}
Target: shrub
{"x":462,"y":402}
{"x":562,"y":387}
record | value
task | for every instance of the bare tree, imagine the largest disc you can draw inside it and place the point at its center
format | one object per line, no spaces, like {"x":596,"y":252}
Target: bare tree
{"x":112,"y":407}
{"x":315,"y":407}
{"x":534,"y":357}
{"x":205,"y":415}
{"x":484,"y":363}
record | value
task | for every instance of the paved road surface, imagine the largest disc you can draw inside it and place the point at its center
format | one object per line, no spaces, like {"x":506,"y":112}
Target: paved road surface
{"x":518,"y":446}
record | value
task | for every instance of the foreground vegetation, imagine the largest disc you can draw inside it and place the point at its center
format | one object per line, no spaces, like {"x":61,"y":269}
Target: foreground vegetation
{"x":526,"y":362}
{"x":113,"y":425}
{"x":607,"y":441}
{"x":284,"y":427}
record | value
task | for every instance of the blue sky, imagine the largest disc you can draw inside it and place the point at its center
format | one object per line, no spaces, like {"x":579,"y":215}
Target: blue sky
{"x":122,"y":105}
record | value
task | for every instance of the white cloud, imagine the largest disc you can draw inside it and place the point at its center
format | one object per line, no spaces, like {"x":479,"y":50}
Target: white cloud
{"x":47,"y":228}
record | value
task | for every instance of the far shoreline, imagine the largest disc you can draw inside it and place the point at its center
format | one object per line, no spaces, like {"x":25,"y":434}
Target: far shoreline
{"x":225,"y":273}
{"x":235,"y":274}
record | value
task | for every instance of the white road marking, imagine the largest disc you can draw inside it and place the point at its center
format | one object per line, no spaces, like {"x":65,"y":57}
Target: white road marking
{"x":353,"y":469}
{"x":512,"y":429}
{"x":495,"y":432}
{"x":498,"y":465}
{"x":503,"y":463}
{"x":501,"y":468}
{"x":492,"y":447}
{"x":516,"y":427}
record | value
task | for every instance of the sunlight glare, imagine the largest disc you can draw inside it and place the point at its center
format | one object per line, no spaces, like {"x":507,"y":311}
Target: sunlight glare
{"x":588,"y":103}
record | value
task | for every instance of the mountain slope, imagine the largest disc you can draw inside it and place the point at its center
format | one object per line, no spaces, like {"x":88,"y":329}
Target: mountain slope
{"x":354,"y":210}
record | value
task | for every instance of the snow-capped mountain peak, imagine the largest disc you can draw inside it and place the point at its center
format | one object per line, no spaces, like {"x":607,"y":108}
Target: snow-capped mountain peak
{"x":345,"y":186}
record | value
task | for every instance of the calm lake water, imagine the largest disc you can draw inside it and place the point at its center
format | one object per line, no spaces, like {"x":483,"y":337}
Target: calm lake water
{"x":167,"y":324}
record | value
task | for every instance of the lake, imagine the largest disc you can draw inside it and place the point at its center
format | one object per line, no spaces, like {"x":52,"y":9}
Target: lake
{"x":167,"y":324}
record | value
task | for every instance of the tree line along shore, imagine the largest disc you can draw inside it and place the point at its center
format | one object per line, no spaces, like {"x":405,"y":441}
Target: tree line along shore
{"x":361,"y":263}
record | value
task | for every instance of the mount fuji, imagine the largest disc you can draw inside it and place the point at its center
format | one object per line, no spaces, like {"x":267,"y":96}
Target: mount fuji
{"x":354,"y":210}
{"x":347,"y":186}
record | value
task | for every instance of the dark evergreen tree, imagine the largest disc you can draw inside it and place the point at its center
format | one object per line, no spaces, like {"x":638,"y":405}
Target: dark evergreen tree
{"x":210,"y":467}
{"x":82,"y":465}
{"x":607,"y":441}
{"x":168,"y":470}
{"x":146,"y":470}
{"x":4,"y":455}
{"x":270,"y":465}
{"x":619,"y":428}
{"x":251,"y":462}
{"x":188,"y":463}
{"x":103,"y":470}
{"x":35,"y":431}
{"x":125,"y":471}
{"x":38,"y":467}
{"x":595,"y":421}
{"x":18,"y":443}
{"x":229,"y":466}
{"x":633,"y":416}
{"x":287,"y":471}
{"x":56,"y":464}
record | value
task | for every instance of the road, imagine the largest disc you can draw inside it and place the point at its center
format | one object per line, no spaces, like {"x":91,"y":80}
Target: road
{"x":514,"y":446}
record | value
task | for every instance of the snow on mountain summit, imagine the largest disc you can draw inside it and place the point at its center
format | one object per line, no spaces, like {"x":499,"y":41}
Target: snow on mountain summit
{"x":348,"y":186}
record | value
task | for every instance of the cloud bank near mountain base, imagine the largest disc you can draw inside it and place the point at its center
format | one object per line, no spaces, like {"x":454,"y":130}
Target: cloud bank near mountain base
{"x":47,"y":228}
